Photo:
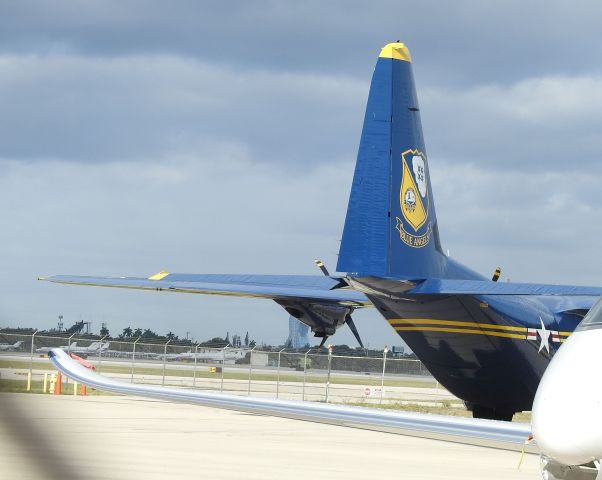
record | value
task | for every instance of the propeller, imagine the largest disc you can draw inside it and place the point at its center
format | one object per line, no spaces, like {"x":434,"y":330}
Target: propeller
{"x":496,"y":274}
{"x":321,"y":266}
{"x":348,"y":320}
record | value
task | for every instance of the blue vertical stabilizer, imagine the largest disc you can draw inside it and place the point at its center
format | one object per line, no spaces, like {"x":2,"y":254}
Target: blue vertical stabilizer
{"x":391,"y":226}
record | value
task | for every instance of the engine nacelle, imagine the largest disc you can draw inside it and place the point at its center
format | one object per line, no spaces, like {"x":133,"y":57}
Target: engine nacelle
{"x":323,"y":318}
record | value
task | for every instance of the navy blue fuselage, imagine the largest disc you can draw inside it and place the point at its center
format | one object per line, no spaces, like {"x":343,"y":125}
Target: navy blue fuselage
{"x":480,"y":347}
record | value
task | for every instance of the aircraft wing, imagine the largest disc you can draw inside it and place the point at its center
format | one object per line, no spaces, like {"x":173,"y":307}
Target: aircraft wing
{"x":493,"y":433}
{"x":323,"y":288}
{"x":276,"y":287}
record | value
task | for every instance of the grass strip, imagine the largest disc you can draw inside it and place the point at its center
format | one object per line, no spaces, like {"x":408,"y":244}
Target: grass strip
{"x":229,"y":375}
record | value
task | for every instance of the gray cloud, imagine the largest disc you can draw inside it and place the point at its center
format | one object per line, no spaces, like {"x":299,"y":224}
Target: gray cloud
{"x":99,"y":109}
{"x":544,"y":122}
{"x":540,"y":226}
{"x":464,"y":41}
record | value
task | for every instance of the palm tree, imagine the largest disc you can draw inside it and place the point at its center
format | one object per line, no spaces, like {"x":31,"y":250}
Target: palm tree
{"x":148,"y":333}
{"x":127,"y":332}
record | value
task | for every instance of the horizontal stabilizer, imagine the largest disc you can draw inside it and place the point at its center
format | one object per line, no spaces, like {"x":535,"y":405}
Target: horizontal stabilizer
{"x":477,"y":287}
{"x":463,"y":430}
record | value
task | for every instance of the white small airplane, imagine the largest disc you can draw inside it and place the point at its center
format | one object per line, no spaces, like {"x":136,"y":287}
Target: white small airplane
{"x":211,"y":356}
{"x":7,"y":347}
{"x":93,"y":349}
{"x":68,"y":348}
{"x":564,"y":428}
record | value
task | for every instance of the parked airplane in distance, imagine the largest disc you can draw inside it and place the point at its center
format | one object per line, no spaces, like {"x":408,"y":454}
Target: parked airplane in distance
{"x":67,"y":348}
{"x":93,"y":349}
{"x":208,"y":356}
{"x":7,"y":347}
{"x":488,"y":343}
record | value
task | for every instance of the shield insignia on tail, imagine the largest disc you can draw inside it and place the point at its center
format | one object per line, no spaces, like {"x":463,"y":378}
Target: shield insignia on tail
{"x":413,"y":199}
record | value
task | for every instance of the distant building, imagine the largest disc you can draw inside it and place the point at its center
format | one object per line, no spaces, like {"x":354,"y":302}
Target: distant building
{"x":401,"y":350}
{"x":397,"y":351}
{"x":298,"y":333}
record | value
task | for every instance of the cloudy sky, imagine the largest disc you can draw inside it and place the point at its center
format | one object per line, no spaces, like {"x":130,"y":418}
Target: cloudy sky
{"x":221,"y":137}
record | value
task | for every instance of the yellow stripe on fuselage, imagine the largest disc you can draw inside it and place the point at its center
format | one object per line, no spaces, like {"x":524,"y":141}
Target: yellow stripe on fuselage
{"x":472,"y":328}
{"x":462,"y":330}
{"x":453,"y":323}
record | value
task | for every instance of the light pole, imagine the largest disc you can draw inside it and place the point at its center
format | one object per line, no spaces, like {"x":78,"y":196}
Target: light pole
{"x":304,"y":374}
{"x":382,"y":378}
{"x":328,"y":375}
{"x":278,"y":375}
{"x":134,"y":359}
{"x":223,"y":367}
{"x":250,"y":370}
{"x":31,"y":354}
{"x":165,"y":360}
{"x":100,"y":352}
{"x":196,"y":350}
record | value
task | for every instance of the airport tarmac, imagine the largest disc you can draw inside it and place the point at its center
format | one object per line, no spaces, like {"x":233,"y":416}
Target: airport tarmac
{"x":114,"y":437}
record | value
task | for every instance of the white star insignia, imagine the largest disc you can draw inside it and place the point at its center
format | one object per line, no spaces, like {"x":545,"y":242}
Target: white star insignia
{"x":545,"y":337}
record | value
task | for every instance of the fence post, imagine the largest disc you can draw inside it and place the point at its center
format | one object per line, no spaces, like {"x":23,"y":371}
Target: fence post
{"x":165,"y":360}
{"x":221,"y":388}
{"x":382,"y":378}
{"x":134,"y":359}
{"x":278,"y":375}
{"x":250,"y":370}
{"x":196,"y":350}
{"x":304,"y":374}
{"x":100,"y":353}
{"x":33,"y":337}
{"x":69,"y":343}
{"x":328,"y":375}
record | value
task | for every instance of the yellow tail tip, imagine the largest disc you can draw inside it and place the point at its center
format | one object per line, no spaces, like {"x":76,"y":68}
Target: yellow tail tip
{"x":396,"y":50}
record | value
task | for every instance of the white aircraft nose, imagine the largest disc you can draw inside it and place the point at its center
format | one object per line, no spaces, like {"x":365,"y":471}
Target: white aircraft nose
{"x":568,"y":404}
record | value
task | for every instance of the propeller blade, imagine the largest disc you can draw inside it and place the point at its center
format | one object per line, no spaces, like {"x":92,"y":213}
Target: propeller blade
{"x":322,"y":267}
{"x":324,"y":338}
{"x":349,"y":321}
{"x":496,"y":274}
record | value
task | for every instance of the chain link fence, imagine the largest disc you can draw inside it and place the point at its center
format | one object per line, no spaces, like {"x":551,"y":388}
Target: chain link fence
{"x":307,"y":376}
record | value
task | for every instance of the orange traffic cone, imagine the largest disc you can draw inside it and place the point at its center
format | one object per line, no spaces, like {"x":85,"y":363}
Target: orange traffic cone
{"x":59,"y":384}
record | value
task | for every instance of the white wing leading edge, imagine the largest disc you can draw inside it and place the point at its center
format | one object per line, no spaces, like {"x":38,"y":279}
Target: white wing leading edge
{"x":492,"y":433}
